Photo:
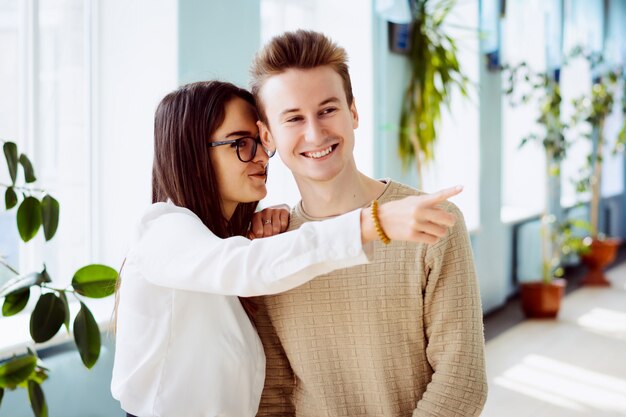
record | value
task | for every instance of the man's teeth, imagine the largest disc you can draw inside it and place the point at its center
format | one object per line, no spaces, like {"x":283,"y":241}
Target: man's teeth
{"x":320,"y":153}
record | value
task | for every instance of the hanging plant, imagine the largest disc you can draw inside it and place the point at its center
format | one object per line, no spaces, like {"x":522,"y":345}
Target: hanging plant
{"x":435,"y":72}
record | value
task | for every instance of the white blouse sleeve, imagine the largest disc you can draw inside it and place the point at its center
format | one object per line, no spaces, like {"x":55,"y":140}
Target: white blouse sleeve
{"x":176,"y":250}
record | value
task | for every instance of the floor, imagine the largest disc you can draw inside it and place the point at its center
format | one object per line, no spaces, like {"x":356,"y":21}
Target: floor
{"x":572,"y":366}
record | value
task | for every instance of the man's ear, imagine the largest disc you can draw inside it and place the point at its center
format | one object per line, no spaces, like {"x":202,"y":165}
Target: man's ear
{"x":266,"y":136}
{"x":355,"y":114}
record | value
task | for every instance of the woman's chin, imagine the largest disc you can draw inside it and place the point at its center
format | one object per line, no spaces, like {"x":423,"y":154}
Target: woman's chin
{"x":256,"y":195}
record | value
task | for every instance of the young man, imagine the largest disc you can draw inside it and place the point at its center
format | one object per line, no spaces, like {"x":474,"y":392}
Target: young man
{"x":401,"y":336}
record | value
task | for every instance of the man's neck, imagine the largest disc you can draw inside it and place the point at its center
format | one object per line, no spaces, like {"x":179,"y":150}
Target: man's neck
{"x":338,"y":196}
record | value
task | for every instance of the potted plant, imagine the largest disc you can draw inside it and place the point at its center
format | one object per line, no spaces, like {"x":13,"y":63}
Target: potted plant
{"x":39,"y":210}
{"x":593,"y":110}
{"x":434,"y":72}
{"x":542,"y":298}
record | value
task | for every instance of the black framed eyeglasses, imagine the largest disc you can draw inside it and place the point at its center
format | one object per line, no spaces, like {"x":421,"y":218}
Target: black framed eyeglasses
{"x":246,"y":147}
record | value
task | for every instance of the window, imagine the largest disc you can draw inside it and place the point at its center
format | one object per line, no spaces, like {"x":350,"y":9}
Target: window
{"x":9,"y":120}
{"x":615,"y":53}
{"x":586,"y":25}
{"x":46,"y":76}
{"x":457,"y":150}
{"x":523,"y":169}
{"x":582,"y":27}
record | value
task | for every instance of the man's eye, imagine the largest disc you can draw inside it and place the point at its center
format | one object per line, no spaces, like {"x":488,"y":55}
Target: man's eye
{"x":294,"y":119}
{"x":329,"y":110}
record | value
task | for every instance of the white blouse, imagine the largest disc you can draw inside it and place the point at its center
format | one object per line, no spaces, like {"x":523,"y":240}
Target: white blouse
{"x":184,"y":345}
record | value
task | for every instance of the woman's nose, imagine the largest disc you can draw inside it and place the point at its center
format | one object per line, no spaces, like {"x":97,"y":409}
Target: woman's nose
{"x":260,"y":154}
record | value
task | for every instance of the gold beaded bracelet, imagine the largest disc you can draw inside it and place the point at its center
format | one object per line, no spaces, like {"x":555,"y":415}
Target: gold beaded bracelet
{"x":381,"y":233}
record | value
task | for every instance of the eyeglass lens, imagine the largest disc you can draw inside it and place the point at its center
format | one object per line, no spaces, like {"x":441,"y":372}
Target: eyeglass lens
{"x":246,"y":149}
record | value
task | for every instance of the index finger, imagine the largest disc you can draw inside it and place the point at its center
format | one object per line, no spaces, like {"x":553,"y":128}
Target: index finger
{"x":444,"y":194}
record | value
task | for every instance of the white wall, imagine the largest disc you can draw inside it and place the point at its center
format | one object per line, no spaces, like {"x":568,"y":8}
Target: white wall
{"x":136,"y":65}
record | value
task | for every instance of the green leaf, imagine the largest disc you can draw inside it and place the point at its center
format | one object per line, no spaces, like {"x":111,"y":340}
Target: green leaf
{"x":22,"y":281}
{"x":66,"y":305}
{"x":15,"y":302}
{"x":16,"y":370}
{"x":10,"y":153}
{"x":10,"y":198}
{"x":50,"y":216}
{"x":29,"y":218}
{"x":87,"y":336}
{"x":95,"y":281}
{"x":37,"y":399}
{"x":581,"y":224}
{"x":47,"y":318}
{"x":39,"y":376}
{"x":29,"y":172}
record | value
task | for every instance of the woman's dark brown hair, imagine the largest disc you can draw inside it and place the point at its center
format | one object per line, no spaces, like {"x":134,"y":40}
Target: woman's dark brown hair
{"x":182,"y":171}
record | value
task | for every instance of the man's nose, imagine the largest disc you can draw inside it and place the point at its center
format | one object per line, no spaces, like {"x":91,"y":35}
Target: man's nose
{"x":314,"y":133}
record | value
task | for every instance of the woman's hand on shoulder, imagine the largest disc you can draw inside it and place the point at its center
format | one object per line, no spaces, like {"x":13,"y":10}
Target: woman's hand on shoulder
{"x":269,"y":221}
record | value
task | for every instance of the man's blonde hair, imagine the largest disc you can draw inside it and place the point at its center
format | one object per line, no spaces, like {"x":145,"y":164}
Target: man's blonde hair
{"x":302,"y":49}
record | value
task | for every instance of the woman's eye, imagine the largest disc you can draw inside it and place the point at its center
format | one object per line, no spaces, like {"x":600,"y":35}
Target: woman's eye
{"x":294,"y":119}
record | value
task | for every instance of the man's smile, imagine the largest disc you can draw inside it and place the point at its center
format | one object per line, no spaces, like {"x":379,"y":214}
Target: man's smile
{"x":320,"y":154}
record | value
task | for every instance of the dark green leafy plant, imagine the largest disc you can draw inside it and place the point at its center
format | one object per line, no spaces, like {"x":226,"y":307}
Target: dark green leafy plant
{"x":435,"y":71}
{"x":39,"y":210}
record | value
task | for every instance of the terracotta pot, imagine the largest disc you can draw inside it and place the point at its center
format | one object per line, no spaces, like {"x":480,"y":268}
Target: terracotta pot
{"x":541,"y":300}
{"x":601,"y":255}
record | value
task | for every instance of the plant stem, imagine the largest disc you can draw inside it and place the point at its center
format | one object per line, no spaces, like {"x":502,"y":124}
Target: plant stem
{"x":596,"y":179}
{"x":7,"y":266}
{"x":56,"y":289}
{"x":76,"y":296}
{"x":22,"y":188}
{"x":546,"y":250}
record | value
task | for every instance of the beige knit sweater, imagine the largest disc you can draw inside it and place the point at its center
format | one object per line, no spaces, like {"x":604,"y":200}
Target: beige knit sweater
{"x":401,"y":336}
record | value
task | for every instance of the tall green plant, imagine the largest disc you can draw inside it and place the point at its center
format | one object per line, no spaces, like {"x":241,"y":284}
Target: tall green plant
{"x":523,"y":86}
{"x":592,"y":110}
{"x":435,"y":71}
{"x":39,"y":210}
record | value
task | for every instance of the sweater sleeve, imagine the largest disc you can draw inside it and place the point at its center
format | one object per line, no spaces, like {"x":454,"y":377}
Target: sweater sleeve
{"x":454,"y":329}
{"x":176,"y":250}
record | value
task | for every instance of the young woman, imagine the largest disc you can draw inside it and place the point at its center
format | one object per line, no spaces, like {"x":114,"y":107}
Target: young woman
{"x":184,"y":344}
